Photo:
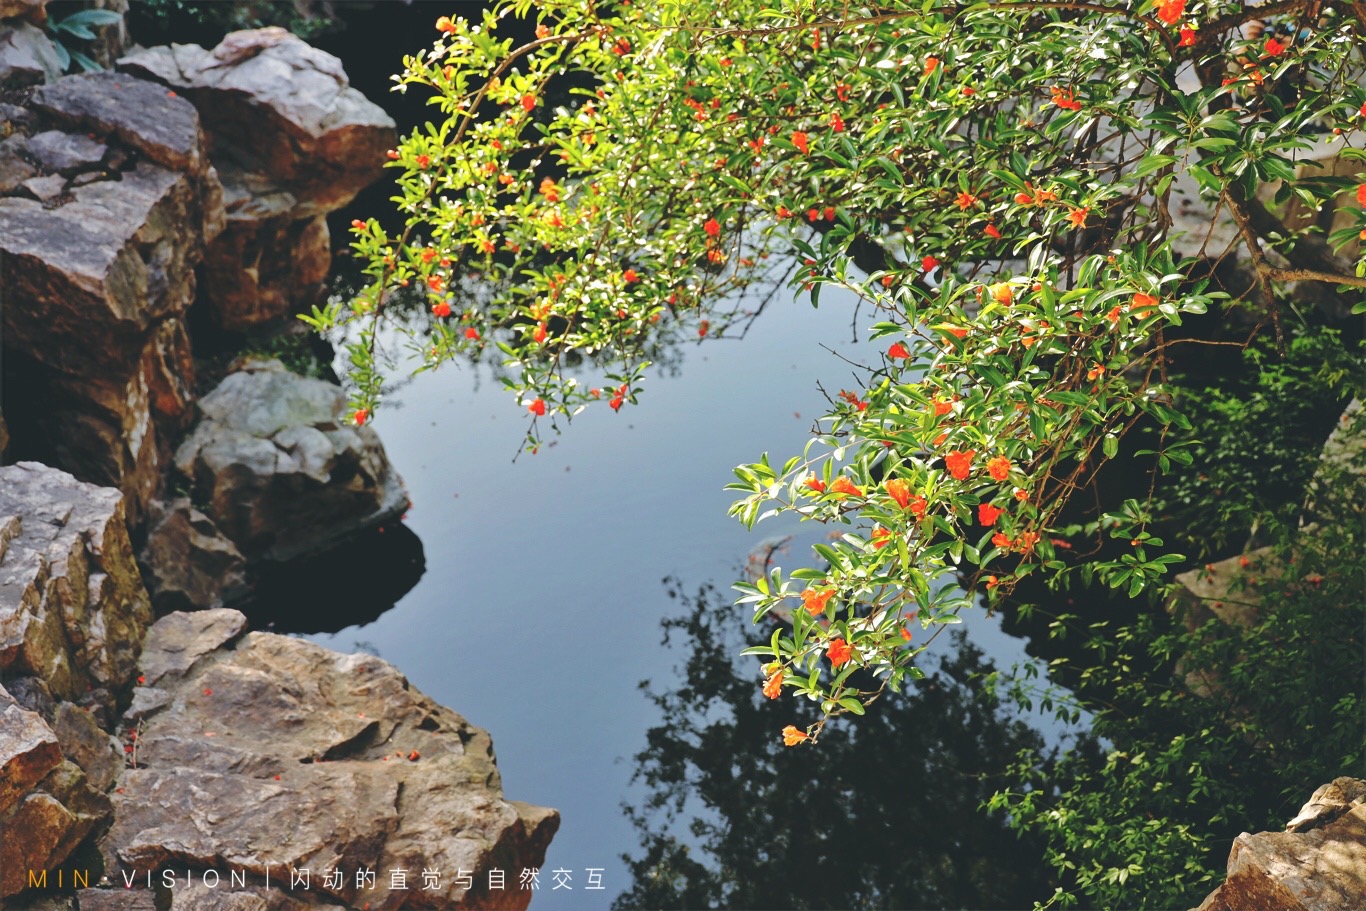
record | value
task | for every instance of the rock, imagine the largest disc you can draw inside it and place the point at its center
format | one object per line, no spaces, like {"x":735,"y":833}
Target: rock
{"x":292,"y":141}
{"x":177,"y":641}
{"x":65,"y":153}
{"x":187,"y":562}
{"x":274,"y":106}
{"x":1328,"y":803}
{"x":4,"y":437}
{"x":43,"y":828}
{"x":14,"y":170}
{"x":116,"y":261}
{"x":83,"y":742}
{"x":281,"y":754}
{"x":1317,"y":869}
{"x":132,"y":112}
{"x":28,"y":9}
{"x":28,"y":751}
{"x":199,"y":897}
{"x":27,"y":56}
{"x":73,"y":609}
{"x":45,"y":189}
{"x":280,"y":471}
{"x":120,"y":899}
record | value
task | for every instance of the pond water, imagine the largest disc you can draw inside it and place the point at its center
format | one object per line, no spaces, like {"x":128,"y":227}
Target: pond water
{"x":539,"y":610}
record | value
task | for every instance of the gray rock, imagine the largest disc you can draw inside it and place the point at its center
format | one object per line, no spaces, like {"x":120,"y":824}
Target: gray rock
{"x":27,"y":56}
{"x":1328,"y":803}
{"x":199,"y":897}
{"x":73,"y":609}
{"x":187,"y":562}
{"x":280,"y":753}
{"x":65,"y":153}
{"x":138,"y":114}
{"x":279,"y":470}
{"x":118,"y":899}
{"x":1319,"y":869}
{"x":175,"y":642}
{"x":45,"y":189}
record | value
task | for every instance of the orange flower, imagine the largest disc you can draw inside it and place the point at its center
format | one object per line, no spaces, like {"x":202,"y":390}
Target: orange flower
{"x":1113,"y":315}
{"x":1002,"y":293}
{"x":960,"y":463}
{"x":792,"y":736}
{"x":931,"y":64}
{"x":928,"y":263}
{"x":899,"y":491}
{"x":1064,"y":99}
{"x":1187,"y":37}
{"x":814,"y":600}
{"x":941,"y":408}
{"x":1361,"y":190}
{"x":773,"y":686}
{"x":549,"y":190}
{"x":843,"y":485}
{"x":836,"y":122}
{"x":1000,"y":540}
{"x":441,"y":308}
{"x":965,"y":200}
{"x":988,"y":514}
{"x":1077,"y":217}
{"x":1142,"y":302}
{"x":992,"y":232}
{"x":918,"y":507}
{"x":472,"y":333}
{"x":898,"y":352}
{"x":814,"y":483}
{"x":539,"y":335}
{"x":992,"y":582}
{"x":1171,"y":11}
{"x":360,"y":416}
{"x":881,"y":538}
{"x":712,"y":227}
{"x":1022,"y":495}
{"x":528,"y":102}
{"x":957,"y":332}
{"x":537,"y":407}
{"x":800,"y":141}
{"x":999,"y":468}
{"x":1095,"y":371}
{"x":444,"y":24}
{"x":630,"y":276}
{"x":1274,"y":48}
{"x":839,"y":652}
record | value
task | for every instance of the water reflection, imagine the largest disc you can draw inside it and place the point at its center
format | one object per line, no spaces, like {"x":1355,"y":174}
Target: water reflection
{"x":884,"y":812}
{"x":351,"y":585}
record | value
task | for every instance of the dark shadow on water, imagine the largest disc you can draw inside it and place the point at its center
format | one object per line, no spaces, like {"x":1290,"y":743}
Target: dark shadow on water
{"x":349,"y":586}
{"x":884,"y":812}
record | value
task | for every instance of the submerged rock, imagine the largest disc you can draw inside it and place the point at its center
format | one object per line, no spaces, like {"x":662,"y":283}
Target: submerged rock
{"x":276,"y":466}
{"x":272,"y":754}
{"x":293,"y":141}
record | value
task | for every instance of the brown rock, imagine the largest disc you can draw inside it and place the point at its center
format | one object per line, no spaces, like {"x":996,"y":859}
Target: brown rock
{"x":187,"y":562}
{"x":83,"y":742}
{"x":28,"y":751}
{"x":1318,"y":869}
{"x":293,"y":141}
{"x":43,"y":828}
{"x":28,"y":9}
{"x":119,"y":899}
{"x":276,"y":107}
{"x":14,"y":170}
{"x":279,"y":729}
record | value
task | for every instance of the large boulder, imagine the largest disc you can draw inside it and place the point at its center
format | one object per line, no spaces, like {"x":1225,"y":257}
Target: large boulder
{"x":1318,"y":864}
{"x":293,"y":141}
{"x":278,"y":468}
{"x":104,"y":244}
{"x":267,"y":754}
{"x":73,"y":609}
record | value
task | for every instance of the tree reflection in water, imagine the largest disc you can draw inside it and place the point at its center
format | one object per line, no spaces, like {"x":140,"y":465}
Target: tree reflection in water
{"x":884,"y":812}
